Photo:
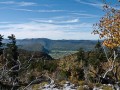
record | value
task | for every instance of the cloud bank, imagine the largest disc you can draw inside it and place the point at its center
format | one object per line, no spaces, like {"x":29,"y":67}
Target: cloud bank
{"x":47,"y":30}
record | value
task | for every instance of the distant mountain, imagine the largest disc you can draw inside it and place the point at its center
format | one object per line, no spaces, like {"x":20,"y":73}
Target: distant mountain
{"x":44,"y":44}
{"x":29,"y":44}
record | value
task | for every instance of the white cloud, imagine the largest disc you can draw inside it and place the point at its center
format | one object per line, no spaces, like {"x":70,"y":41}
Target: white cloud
{"x":85,"y":15}
{"x":73,"y":21}
{"x":39,"y":11}
{"x":45,"y":30}
{"x":97,"y":4}
{"x":21,"y":9}
{"x":76,"y":20}
{"x":7,"y":2}
{"x":19,"y":3}
{"x":43,"y":21}
{"x":27,"y":4}
{"x":51,"y":10}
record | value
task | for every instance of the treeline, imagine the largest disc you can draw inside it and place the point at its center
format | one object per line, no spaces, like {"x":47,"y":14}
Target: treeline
{"x":19,"y":68}
{"x":95,"y":66}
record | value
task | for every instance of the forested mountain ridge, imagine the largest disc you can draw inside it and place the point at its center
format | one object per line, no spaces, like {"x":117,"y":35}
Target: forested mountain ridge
{"x":44,"y":44}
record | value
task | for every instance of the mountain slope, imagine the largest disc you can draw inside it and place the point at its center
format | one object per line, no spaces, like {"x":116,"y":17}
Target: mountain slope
{"x":44,"y":44}
{"x":57,"y":44}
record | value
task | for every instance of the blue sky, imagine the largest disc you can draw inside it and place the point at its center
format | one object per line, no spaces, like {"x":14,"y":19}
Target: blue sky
{"x":53,"y":19}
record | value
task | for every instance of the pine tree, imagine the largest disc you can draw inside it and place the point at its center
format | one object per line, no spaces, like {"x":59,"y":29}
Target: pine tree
{"x":99,"y":56}
{"x":1,"y":44}
{"x":83,"y":57}
{"x":99,"y":52}
{"x":13,"y":47}
{"x":13,"y":57}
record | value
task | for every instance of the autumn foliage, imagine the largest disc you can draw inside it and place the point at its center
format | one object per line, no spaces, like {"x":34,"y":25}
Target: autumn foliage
{"x":108,"y":27}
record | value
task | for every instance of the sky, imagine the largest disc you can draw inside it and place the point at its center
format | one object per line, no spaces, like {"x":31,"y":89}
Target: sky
{"x":53,"y":19}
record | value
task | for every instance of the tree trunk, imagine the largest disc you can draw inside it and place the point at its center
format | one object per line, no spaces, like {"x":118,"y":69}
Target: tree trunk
{"x":86,"y":74}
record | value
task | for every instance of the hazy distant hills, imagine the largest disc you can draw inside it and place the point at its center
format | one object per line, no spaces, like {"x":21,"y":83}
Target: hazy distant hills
{"x":44,"y":44}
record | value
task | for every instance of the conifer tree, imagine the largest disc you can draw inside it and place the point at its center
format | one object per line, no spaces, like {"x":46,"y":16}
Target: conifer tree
{"x":80,"y":55}
{"x":99,"y":52}
{"x":13,"y":47}
{"x":1,"y":44}
{"x":83,"y":57}
{"x":13,"y":57}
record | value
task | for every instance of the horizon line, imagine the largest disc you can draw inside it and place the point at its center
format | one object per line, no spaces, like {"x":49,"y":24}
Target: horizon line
{"x":54,"y":39}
